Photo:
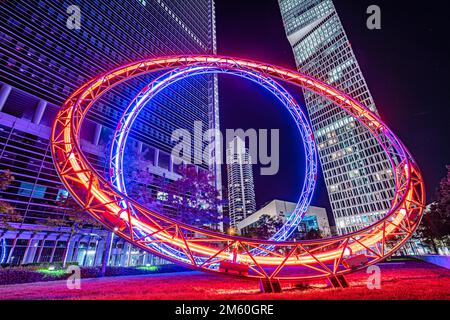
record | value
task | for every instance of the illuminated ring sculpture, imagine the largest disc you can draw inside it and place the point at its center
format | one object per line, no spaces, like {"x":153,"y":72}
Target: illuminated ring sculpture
{"x":2,"y":250}
{"x":203,"y":249}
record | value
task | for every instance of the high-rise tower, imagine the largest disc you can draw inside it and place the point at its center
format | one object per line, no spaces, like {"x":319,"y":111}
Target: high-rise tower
{"x":357,"y":172}
{"x":241,"y":190}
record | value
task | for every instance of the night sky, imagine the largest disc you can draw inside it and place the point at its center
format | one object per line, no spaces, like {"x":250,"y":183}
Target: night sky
{"x":406,"y":65}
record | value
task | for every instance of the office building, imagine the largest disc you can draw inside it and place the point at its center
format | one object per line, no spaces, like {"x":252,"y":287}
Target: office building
{"x":315,"y":218}
{"x":357,"y":172}
{"x":42,"y":62}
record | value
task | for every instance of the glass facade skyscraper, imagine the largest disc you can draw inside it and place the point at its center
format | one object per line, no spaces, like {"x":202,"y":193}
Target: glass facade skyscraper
{"x":42,"y":61}
{"x":357,"y":172}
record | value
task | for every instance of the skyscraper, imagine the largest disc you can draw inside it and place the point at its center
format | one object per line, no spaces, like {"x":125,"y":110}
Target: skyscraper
{"x":42,"y":61}
{"x":357,"y":172}
{"x":241,"y":190}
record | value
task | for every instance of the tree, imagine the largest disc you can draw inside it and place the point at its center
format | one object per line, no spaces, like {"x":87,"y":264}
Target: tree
{"x":6,"y":178}
{"x":193,"y":199}
{"x":7,"y":212}
{"x":265,"y":227}
{"x":313,"y":234}
{"x":140,"y":184}
{"x":435,"y":226}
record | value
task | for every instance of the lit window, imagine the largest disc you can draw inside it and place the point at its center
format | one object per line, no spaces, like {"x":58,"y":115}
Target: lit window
{"x":162,"y":196}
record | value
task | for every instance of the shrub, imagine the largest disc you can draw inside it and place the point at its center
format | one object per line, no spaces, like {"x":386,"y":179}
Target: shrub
{"x":41,"y":272}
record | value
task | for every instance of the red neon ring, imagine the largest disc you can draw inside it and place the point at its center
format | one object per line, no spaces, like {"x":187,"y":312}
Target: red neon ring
{"x":324,"y":257}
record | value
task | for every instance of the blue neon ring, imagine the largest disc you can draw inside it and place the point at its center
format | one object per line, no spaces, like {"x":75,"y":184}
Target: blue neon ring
{"x":162,"y":82}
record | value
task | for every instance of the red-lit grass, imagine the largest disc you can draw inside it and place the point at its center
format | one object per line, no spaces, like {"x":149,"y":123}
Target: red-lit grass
{"x":405,"y":280}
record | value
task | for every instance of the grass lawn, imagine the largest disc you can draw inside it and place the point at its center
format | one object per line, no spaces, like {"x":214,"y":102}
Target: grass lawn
{"x":400,"y":280}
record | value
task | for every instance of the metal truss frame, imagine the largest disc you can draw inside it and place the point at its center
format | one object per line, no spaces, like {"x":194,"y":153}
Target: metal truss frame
{"x":204,"y":250}
{"x":159,"y":84}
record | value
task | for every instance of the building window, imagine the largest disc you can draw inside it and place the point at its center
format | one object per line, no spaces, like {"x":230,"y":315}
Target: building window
{"x":26,"y":190}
